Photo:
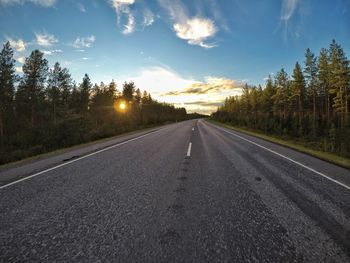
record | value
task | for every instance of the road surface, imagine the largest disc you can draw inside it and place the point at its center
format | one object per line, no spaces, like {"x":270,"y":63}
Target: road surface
{"x":186,"y":192}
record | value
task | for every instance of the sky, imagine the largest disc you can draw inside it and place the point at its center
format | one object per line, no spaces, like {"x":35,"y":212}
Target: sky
{"x":192,"y":53}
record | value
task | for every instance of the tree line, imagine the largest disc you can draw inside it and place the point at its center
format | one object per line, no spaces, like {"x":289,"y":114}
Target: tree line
{"x":310,"y":106}
{"x":44,"y":109}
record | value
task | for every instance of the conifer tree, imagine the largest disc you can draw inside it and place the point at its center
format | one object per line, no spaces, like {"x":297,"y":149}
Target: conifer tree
{"x":7,"y":89}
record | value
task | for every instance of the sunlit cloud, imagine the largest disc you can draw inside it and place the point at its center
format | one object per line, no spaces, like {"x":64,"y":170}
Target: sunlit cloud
{"x":209,"y":86}
{"x":45,"y":40}
{"x":44,"y":3}
{"x":19,"y":69}
{"x":52,"y":52}
{"x":84,"y":42}
{"x":19,"y":45}
{"x":196,"y":31}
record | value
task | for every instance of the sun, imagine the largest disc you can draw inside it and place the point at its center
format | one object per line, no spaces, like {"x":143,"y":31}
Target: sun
{"x":122,"y":105}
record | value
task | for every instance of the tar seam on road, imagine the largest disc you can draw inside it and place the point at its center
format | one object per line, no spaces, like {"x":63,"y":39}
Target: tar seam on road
{"x":78,"y":159}
{"x":287,"y":158}
{"x":189,"y":149}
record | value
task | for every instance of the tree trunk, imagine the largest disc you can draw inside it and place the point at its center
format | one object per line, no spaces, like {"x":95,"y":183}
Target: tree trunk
{"x":314,"y":113}
{"x":32,"y":116}
{"x":1,"y":131}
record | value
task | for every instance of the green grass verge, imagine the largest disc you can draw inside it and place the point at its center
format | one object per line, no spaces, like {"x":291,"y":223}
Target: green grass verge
{"x":73,"y":147}
{"x":329,"y":157}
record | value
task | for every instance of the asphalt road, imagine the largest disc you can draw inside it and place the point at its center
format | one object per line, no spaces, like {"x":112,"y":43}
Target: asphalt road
{"x":228,"y":197}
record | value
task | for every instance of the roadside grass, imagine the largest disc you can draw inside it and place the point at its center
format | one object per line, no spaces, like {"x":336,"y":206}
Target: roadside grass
{"x":295,"y":145}
{"x":35,"y":157}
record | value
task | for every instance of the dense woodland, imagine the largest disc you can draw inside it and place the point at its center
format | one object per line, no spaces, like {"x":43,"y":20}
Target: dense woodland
{"x":311,"y":106}
{"x":44,"y":109}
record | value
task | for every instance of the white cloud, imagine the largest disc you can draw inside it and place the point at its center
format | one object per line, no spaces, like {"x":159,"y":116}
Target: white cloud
{"x":122,"y":7}
{"x":45,"y":40}
{"x":121,"y":3}
{"x":21,"y":60}
{"x":44,"y":3}
{"x":19,"y":45}
{"x":148,"y":18}
{"x":288,"y":9}
{"x":84,"y":42}
{"x":51,"y":52}
{"x":130,"y":26}
{"x":19,"y":69}
{"x":196,"y":31}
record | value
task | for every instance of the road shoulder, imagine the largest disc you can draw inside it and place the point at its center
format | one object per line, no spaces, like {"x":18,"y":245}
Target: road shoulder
{"x":21,"y":169}
{"x":333,"y":171}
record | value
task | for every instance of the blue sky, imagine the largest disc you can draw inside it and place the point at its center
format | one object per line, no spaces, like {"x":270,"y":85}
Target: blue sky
{"x":191,"y":53}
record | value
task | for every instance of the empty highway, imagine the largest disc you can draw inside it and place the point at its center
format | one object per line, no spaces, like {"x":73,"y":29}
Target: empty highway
{"x":185,"y":192}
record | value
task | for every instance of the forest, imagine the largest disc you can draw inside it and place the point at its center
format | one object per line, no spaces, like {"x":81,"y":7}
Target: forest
{"x":310,"y":106}
{"x":44,"y":109}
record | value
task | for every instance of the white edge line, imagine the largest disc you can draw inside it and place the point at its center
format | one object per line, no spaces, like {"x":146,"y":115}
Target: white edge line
{"x":78,"y":159}
{"x":189,"y":149}
{"x":287,"y":158}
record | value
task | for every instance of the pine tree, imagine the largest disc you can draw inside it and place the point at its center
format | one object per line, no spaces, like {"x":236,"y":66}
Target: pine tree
{"x":324,"y":82}
{"x":268,"y":93}
{"x":282,"y":93}
{"x":30,"y":95}
{"x":340,"y":79}
{"x":310,"y":73}
{"x":298,"y":90}
{"x":128,"y":91}
{"x":65,"y":81}
{"x":7,"y":89}
{"x":53,"y":89}
{"x":85,"y":89}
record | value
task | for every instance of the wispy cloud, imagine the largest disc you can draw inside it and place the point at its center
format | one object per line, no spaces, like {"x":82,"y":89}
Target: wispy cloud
{"x":84,"y":42}
{"x":288,"y":10}
{"x":44,"y":3}
{"x":52,"y":52}
{"x":45,"y":40}
{"x":81,"y":7}
{"x":211,"y":85}
{"x":19,"y":45}
{"x":122,"y":7}
{"x":130,"y":26}
{"x":196,"y":30}
{"x":205,"y":103}
{"x":148,"y":18}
